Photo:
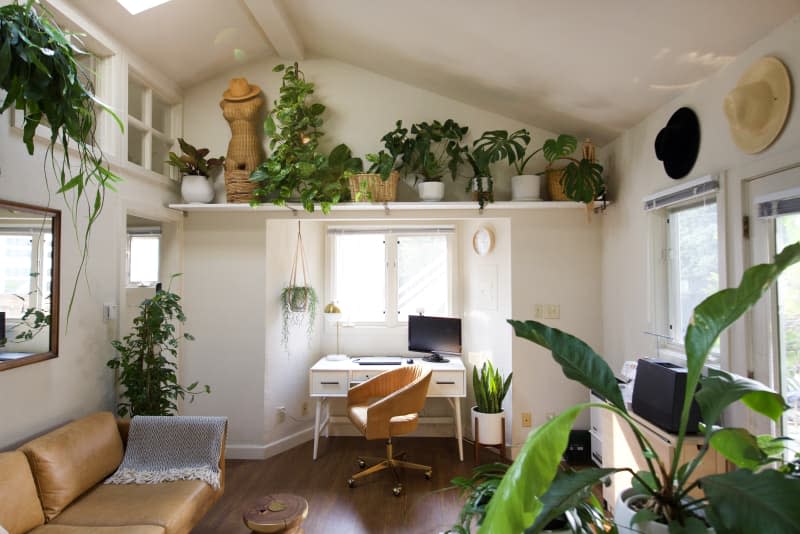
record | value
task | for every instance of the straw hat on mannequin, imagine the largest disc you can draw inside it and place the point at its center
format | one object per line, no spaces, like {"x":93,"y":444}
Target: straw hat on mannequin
{"x":241,"y":106}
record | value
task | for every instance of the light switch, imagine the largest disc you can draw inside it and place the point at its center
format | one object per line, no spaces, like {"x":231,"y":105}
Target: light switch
{"x":552,"y":311}
{"x":110,"y":312}
{"x":538,"y":311}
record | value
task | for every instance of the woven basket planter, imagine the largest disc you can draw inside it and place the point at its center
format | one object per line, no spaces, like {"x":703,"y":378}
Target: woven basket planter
{"x":238,"y":187}
{"x":554,"y":186}
{"x":377,"y":190}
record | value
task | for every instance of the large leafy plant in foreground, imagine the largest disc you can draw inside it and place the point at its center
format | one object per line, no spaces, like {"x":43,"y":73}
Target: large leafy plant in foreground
{"x":755,"y":498}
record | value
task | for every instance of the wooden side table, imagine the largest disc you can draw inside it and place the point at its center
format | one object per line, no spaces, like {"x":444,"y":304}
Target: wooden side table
{"x":278,"y":513}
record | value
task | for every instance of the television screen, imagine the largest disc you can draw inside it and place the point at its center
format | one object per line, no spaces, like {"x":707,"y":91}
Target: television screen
{"x":436,"y":335}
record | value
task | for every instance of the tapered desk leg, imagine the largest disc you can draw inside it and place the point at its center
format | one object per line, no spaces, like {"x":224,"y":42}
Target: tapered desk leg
{"x":316,"y":426}
{"x":457,"y":406}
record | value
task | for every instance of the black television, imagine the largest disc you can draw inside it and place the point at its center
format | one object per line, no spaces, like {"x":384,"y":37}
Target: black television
{"x":434,"y":335}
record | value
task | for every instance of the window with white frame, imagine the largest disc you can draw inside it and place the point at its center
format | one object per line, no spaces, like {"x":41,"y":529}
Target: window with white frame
{"x":143,"y":257}
{"x":150,"y":126}
{"x":381,"y":276}
{"x":26,"y":265}
{"x":686,"y":255}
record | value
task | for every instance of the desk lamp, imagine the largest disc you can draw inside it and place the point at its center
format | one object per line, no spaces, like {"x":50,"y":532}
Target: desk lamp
{"x":334,"y":314}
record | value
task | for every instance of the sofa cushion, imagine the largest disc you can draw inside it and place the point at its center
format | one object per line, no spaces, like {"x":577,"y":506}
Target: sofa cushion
{"x":69,"y":460}
{"x":176,"y":506}
{"x":127,"y":529}
{"x":20,"y":509}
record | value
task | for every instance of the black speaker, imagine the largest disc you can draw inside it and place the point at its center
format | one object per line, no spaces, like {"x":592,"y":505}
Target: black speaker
{"x":658,"y":395}
{"x":578,"y":448}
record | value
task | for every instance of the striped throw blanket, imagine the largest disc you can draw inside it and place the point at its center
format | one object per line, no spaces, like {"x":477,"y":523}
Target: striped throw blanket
{"x":167,"y":448}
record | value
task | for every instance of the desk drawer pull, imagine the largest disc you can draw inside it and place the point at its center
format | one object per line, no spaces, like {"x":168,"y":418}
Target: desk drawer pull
{"x":445,"y":382}
{"x":329,"y":383}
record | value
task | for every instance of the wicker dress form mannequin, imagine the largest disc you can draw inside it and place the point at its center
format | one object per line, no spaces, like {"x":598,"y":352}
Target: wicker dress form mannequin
{"x":241,"y":106}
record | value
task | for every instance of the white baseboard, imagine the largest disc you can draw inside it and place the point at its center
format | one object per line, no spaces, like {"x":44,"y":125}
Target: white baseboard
{"x":235,"y":451}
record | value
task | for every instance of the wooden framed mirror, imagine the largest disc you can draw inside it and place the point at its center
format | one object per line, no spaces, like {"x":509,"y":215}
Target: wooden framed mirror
{"x":30,"y":239}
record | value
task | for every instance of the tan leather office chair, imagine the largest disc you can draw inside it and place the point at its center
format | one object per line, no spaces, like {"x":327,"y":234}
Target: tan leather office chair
{"x":400,"y":396}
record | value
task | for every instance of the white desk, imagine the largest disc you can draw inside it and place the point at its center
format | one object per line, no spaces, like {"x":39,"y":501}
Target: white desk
{"x":333,"y":378}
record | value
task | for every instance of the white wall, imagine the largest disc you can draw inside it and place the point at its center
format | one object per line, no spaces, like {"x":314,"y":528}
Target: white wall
{"x":361,"y":108}
{"x":635,"y":172}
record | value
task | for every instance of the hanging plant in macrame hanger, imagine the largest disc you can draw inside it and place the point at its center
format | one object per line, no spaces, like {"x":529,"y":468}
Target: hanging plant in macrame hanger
{"x":298,"y":302}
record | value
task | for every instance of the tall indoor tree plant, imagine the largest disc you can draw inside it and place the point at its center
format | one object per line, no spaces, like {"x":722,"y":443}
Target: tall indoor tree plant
{"x":147,"y":359}
{"x":755,"y":498}
{"x":43,"y":79}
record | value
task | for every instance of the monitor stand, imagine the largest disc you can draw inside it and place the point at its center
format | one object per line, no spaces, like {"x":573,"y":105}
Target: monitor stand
{"x":435,"y":358}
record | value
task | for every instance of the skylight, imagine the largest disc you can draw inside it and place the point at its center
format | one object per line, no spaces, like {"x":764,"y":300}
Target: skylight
{"x":135,"y":7}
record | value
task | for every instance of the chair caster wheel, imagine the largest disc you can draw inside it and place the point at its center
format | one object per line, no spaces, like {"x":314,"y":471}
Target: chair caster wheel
{"x":351,"y":483}
{"x":397,"y":490}
{"x":361,"y":463}
{"x":428,"y":475}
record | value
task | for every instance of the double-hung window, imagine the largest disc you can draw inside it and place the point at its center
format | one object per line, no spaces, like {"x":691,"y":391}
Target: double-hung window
{"x":26,"y":267}
{"x":380,"y":276}
{"x":686,"y":255}
{"x":143,"y":256}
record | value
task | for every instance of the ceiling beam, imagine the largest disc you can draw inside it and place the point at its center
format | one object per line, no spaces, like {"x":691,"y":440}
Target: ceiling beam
{"x":274,"y":22}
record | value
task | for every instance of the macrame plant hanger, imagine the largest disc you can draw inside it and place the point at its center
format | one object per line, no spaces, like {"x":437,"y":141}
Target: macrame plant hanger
{"x":299,"y":299}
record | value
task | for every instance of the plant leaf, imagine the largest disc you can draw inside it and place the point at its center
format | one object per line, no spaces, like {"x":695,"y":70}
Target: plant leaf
{"x":765,"y":502}
{"x":516,"y":502}
{"x":568,"y":490}
{"x":577,"y":359}
{"x":720,"y":310}
{"x":739,"y":446}
{"x":722,"y":389}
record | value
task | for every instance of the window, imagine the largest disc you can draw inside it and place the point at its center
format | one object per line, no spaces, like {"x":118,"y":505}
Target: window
{"x":150,"y":129}
{"x":381,"y":276}
{"x":26,"y":264}
{"x":685,"y":256}
{"x":143,"y":257}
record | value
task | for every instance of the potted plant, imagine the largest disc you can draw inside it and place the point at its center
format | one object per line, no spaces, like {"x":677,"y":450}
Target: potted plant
{"x":295,"y":167}
{"x":379,"y":183}
{"x":755,"y":498}
{"x":426,"y":152}
{"x":147,"y":359}
{"x":491,"y":147}
{"x":482,"y":485}
{"x":195,"y":170}
{"x":42,"y":77}
{"x":487,"y":415}
{"x":298,"y":305}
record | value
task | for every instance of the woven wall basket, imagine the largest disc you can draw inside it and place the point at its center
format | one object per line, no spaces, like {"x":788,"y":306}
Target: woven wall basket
{"x":238,"y":187}
{"x":554,"y":186}
{"x":379,"y":191}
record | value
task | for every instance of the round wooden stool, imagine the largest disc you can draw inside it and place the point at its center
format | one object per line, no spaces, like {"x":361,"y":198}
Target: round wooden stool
{"x":281,"y":512}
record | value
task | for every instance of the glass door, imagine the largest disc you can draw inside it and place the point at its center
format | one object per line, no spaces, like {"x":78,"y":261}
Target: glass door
{"x":774,"y":204}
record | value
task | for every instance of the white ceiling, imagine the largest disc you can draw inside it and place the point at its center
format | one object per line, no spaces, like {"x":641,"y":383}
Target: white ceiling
{"x":579,"y":66}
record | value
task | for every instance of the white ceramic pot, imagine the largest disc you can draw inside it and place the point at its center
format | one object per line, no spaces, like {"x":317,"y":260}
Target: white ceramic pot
{"x":430,"y":191}
{"x":526,"y":187}
{"x":623,"y":513}
{"x":490,"y":427}
{"x":196,"y":189}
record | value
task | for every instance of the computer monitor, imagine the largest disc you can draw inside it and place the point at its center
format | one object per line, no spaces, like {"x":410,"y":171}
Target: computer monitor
{"x":435,"y":335}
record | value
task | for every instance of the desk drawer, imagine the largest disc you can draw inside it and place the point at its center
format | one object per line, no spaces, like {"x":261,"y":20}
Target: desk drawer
{"x":447,"y":384}
{"x":363,"y":376}
{"x":330,"y":383}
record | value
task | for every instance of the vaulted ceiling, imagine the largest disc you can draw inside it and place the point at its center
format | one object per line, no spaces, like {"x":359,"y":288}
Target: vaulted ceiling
{"x":580,"y":66}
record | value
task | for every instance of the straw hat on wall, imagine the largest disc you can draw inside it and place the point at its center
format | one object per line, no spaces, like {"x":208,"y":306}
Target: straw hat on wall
{"x":759,"y":104}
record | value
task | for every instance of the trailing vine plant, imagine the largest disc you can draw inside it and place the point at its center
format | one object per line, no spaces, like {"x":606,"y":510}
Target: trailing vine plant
{"x":43,"y":79}
{"x":295,"y":166}
{"x":147,"y":359}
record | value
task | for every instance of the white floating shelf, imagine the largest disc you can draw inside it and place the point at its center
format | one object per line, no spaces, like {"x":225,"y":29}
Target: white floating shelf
{"x":386,"y":206}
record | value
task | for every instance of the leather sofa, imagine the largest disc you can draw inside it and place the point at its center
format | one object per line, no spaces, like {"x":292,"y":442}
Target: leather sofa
{"x":53,"y":485}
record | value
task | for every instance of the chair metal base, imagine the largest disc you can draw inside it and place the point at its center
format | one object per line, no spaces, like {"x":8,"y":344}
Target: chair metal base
{"x":390,"y":462}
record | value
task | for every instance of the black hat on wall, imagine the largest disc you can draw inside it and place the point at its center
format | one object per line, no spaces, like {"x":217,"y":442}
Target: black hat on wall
{"x":678,"y":143}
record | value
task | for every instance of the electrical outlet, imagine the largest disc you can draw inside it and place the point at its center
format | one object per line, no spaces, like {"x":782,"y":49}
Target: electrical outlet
{"x":552,"y":311}
{"x":526,"y":419}
{"x":281,"y":410}
{"x":304,"y":410}
{"x":538,"y":311}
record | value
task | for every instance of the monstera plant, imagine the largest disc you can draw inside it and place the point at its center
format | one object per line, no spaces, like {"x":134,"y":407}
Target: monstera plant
{"x":760,"y":496}
{"x":41,"y":73}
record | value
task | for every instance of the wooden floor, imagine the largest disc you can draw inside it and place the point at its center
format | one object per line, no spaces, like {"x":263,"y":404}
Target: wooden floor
{"x":427,"y":506}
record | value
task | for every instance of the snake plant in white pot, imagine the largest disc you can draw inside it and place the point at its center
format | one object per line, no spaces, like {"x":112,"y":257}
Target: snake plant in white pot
{"x":760,"y":496}
{"x":487,"y":416}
